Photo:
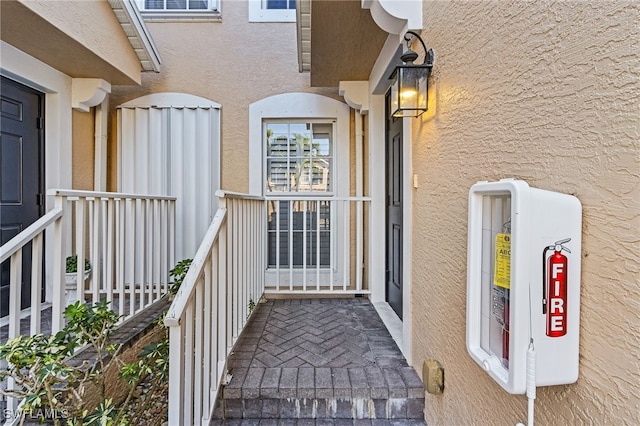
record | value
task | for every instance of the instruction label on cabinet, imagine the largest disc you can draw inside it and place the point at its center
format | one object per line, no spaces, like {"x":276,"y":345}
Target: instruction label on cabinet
{"x":502,"y":265}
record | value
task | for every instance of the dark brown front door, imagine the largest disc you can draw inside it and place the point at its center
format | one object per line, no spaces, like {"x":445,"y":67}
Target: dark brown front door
{"x":22,"y":172}
{"x":393,"y":211}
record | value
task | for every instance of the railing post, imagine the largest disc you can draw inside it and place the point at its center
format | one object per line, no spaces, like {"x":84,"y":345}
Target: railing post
{"x":208,"y":337}
{"x":290,"y":211}
{"x":95,"y":253}
{"x":15,"y":281}
{"x":359,"y":244}
{"x":59,"y":243}
{"x":172,"y":234}
{"x":15,"y":293}
{"x":130,"y":211}
{"x":120,"y":252}
{"x":37,"y":250}
{"x":223,"y":295}
{"x":176,"y":375}
{"x":79,"y":249}
{"x":110,"y":236}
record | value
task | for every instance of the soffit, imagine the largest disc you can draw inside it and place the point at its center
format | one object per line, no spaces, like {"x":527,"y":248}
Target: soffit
{"x":133,"y":26}
{"x":345,"y":42}
{"x":26,"y":30}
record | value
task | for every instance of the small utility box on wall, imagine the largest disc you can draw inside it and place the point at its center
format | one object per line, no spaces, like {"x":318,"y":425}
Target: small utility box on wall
{"x":523,"y":282}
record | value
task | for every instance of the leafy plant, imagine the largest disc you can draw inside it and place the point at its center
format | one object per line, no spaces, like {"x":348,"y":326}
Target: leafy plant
{"x":252,"y":306}
{"x":72,"y":264}
{"x":40,"y":376}
{"x":152,"y":365}
{"x":43,"y":373}
{"x":178,"y":273}
{"x":48,"y":382}
{"x":93,"y":326}
{"x":106,"y":414}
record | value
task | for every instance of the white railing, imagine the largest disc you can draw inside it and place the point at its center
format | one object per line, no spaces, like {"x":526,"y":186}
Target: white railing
{"x":230,"y":270}
{"x":127,"y":239}
{"x":315,"y":245}
{"x":129,"y":242}
{"x":213,"y":305}
{"x":32,"y":236}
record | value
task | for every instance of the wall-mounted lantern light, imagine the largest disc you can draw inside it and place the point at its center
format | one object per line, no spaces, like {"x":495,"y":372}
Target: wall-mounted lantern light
{"x":410,"y":81}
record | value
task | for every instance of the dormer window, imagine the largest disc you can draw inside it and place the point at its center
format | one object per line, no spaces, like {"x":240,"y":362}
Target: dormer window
{"x":171,"y":10}
{"x":272,"y":10}
{"x":146,"y":5}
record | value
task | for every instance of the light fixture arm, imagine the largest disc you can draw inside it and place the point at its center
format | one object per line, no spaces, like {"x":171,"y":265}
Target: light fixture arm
{"x":410,"y":55}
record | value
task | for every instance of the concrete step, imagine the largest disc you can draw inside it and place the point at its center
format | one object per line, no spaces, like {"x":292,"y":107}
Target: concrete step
{"x":323,"y":393}
{"x":323,"y":409}
{"x":322,"y":422}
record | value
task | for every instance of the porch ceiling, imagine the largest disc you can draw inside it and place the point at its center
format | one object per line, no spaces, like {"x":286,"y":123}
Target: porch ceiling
{"x":345,"y":42}
{"x":28,"y":31}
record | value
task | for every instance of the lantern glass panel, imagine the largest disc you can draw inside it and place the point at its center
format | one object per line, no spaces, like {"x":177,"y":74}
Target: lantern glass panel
{"x":394,"y":96}
{"x":409,"y":91}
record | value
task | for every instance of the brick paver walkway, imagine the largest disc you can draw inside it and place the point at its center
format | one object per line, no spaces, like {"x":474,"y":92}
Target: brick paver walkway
{"x":320,"y":361}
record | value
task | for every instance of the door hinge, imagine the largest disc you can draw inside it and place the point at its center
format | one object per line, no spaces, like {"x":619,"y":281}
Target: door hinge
{"x":40,"y":124}
{"x":40,"y":199}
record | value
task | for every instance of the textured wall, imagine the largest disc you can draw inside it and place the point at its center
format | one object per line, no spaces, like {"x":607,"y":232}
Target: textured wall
{"x":83,"y":149}
{"x":234,"y":63}
{"x":548,"y":92}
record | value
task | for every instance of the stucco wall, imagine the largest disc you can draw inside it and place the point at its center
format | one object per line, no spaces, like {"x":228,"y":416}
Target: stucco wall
{"x":78,"y":38}
{"x":234,"y":63}
{"x":548,"y":92}
{"x":83,"y":149}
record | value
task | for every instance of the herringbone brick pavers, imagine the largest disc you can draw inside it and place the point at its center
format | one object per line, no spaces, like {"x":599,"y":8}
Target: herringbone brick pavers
{"x":328,"y":361}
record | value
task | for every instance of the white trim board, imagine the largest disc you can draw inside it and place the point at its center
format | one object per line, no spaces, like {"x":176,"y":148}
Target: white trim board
{"x":56,"y":86}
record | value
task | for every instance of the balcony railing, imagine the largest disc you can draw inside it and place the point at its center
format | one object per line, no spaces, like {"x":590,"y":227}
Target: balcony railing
{"x":315,"y":245}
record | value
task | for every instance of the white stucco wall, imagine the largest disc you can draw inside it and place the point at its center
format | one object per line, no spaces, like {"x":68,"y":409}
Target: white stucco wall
{"x":548,"y":92}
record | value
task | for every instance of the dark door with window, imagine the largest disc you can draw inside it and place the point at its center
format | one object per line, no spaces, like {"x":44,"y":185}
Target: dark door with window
{"x":22,"y":173}
{"x":394,"y":197}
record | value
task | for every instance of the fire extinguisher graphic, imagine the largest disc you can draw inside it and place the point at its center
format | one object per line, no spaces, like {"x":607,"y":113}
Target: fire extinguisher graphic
{"x":554,"y":288}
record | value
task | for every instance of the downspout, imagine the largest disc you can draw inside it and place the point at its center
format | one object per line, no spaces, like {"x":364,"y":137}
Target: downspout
{"x":359,"y":192}
{"x":100,"y":141}
{"x":94,"y":92}
{"x":359,"y":159}
{"x":356,"y":94}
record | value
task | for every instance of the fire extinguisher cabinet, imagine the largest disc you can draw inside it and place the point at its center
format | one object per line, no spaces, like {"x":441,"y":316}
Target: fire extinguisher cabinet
{"x":523,"y":282}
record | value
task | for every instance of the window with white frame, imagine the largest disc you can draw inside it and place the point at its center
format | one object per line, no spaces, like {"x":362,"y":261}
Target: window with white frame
{"x":272,"y":10}
{"x":178,"y":8}
{"x":299,"y":159}
{"x":300,"y":164}
{"x":299,"y":156}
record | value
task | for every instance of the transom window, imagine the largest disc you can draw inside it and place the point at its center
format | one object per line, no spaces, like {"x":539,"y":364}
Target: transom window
{"x":299,"y":157}
{"x":279,"y":4}
{"x":272,"y":10}
{"x":179,"y":10}
{"x":174,"y":5}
